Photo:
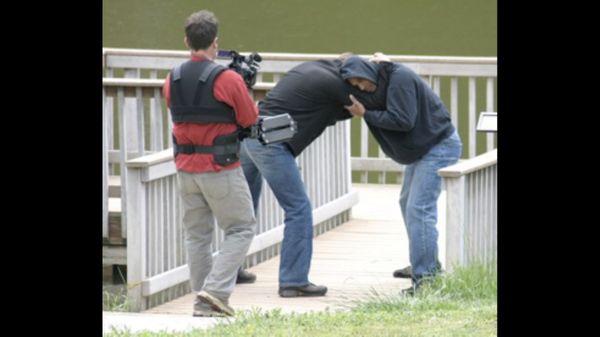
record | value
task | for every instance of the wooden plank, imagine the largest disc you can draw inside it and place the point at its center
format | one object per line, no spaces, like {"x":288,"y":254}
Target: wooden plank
{"x":184,"y":54}
{"x":124,"y":148}
{"x":346,"y":281}
{"x":436,"y":85}
{"x":455,"y":218}
{"x":140,"y":122}
{"x":112,"y":255}
{"x":364,"y":146}
{"x":114,"y":156}
{"x":105,"y":172}
{"x":490,"y":107}
{"x":454,"y":100}
{"x":152,"y":159}
{"x":472,"y":116}
{"x":167,"y":279}
{"x":136,"y":239}
{"x":156,"y":123}
{"x":375,"y":164}
{"x":159,"y":171}
{"x":464,"y":167}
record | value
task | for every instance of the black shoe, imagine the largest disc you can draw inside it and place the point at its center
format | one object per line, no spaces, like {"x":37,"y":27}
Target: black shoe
{"x":416,"y":285}
{"x":245,"y":276}
{"x":410,"y":291}
{"x":405,"y":272}
{"x":308,"y":290}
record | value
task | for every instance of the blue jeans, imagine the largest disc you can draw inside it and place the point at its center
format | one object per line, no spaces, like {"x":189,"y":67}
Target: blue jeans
{"x":418,"y":203}
{"x":277,"y":165}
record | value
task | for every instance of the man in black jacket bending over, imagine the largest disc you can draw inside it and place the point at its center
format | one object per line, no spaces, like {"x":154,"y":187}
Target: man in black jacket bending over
{"x":314,"y":94}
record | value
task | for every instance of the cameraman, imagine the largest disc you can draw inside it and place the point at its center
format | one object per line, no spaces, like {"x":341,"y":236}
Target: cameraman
{"x":208,"y":103}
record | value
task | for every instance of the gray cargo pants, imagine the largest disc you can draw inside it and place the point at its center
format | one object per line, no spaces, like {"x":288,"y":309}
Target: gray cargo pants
{"x":223,"y":196}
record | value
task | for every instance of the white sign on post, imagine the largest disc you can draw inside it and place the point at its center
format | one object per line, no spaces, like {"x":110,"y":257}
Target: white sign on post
{"x":487,"y":122}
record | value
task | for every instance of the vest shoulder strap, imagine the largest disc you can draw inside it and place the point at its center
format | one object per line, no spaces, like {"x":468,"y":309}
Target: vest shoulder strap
{"x":208,"y":70}
{"x":176,"y":73}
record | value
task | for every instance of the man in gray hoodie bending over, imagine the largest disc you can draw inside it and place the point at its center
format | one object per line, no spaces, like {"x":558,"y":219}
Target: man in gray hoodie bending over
{"x":413,"y":129}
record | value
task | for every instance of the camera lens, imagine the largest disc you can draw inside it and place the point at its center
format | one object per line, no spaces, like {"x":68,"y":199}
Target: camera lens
{"x":256,"y":57}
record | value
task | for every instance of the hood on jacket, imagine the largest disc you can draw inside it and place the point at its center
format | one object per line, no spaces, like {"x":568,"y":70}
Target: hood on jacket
{"x":356,"y":66}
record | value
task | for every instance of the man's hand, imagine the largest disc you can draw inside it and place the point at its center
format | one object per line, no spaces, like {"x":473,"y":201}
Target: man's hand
{"x":379,"y":57}
{"x":356,"y":109}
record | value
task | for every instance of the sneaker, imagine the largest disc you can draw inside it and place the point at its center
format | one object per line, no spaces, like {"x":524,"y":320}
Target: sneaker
{"x":203,"y":309}
{"x":416,"y":285}
{"x":215,"y":303}
{"x":405,"y":272}
{"x":245,"y":276}
{"x":409,"y":291}
{"x":308,"y":290}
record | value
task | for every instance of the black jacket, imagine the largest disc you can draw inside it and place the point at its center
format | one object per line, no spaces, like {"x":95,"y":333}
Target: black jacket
{"x":410,"y":119}
{"x":314,"y":94}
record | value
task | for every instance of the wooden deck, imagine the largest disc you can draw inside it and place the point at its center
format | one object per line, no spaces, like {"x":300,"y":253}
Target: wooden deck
{"x":352,"y":260}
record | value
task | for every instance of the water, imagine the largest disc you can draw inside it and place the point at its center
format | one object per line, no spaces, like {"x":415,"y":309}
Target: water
{"x":424,"y":27}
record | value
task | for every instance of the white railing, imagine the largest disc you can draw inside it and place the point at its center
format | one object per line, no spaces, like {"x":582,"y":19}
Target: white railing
{"x":156,"y":263}
{"x":445,"y":74}
{"x":143,"y":127}
{"x":137,"y":124}
{"x":471,"y":210}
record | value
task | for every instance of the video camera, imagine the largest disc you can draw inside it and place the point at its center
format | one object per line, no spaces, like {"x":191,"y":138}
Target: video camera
{"x":268,"y":130}
{"x":246,"y":66}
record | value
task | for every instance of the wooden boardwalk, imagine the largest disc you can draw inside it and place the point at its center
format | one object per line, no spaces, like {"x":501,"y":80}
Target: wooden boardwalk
{"x":352,"y":260}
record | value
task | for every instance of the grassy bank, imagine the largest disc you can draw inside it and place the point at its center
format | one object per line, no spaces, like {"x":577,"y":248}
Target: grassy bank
{"x":458,"y":304}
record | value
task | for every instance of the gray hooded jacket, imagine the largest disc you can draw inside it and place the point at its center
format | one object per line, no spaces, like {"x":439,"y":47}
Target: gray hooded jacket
{"x":414,"y":118}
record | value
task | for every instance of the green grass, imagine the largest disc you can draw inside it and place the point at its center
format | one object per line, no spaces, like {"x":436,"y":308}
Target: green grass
{"x":115,"y":301}
{"x":458,"y":304}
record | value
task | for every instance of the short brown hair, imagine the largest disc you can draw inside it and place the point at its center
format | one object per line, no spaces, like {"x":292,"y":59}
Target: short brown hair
{"x":201,"y":29}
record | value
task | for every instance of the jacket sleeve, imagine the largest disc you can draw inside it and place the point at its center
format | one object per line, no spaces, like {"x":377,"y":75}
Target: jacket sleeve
{"x":166,"y":90}
{"x":229,"y":88}
{"x":340,"y":116}
{"x":401,"y":107}
{"x":343,"y":97}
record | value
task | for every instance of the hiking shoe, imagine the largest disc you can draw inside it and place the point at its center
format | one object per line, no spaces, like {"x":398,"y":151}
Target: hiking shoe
{"x":215,"y":303}
{"x":308,"y":290}
{"x":245,"y":276}
{"x":417,"y":284}
{"x":405,"y":272}
{"x":409,"y":291}
{"x":203,"y":309}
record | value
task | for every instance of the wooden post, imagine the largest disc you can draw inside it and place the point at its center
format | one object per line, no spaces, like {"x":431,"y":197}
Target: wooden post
{"x":104,"y":167}
{"x":489,"y":100}
{"x":124,"y":147}
{"x":472,"y":150}
{"x":136,"y":238}
{"x":108,"y":109}
{"x":364,"y":147}
{"x":454,"y":101}
{"x":455,"y":215}
{"x":130,"y":110}
{"x":128,"y":139}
